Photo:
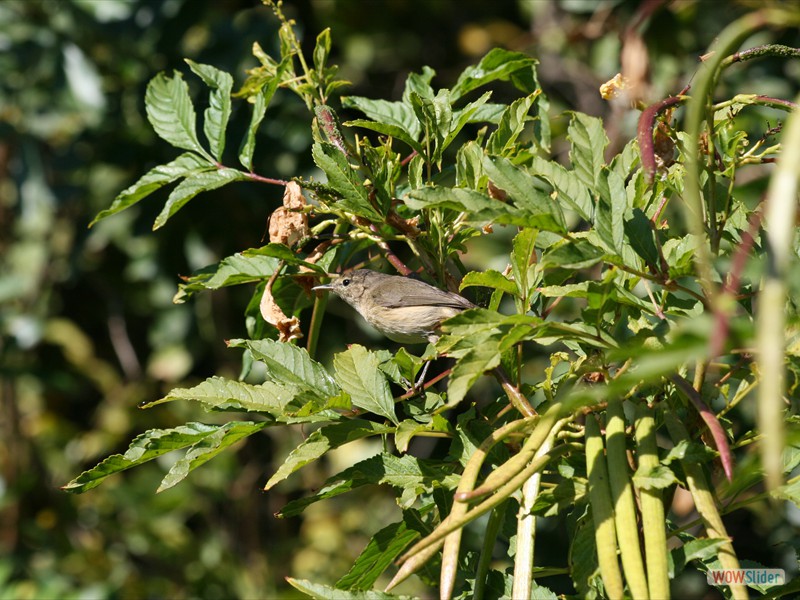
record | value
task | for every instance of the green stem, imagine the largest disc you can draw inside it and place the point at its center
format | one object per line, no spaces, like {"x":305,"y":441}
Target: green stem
{"x":696,"y":112}
{"x":780,"y":217}
{"x":624,"y":505}
{"x":704,"y":501}
{"x":653,"y":519}
{"x":602,"y":511}
{"x":485,"y":561}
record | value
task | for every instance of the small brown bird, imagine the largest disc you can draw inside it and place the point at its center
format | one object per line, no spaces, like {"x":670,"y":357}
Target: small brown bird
{"x":405,"y":310}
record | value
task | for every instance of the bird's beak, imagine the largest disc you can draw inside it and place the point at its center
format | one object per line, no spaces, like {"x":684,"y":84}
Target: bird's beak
{"x":327,"y":286}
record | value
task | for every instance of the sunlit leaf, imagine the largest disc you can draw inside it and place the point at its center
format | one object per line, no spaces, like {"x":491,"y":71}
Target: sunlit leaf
{"x":358,"y":374}
{"x":321,"y":441}
{"x":288,"y":364}
{"x":171,"y":113}
{"x":498,"y":64}
{"x":193,"y":185}
{"x":383,"y":548}
{"x":146,"y":447}
{"x":206,"y":449}
{"x":216,"y":116}
{"x":589,"y":142}
{"x":185,"y":165}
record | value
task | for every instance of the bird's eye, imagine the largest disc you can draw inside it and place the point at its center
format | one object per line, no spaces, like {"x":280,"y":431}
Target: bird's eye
{"x":345,"y":282}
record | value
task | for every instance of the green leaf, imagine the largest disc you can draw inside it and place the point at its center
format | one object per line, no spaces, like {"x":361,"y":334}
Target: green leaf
{"x":491,"y":279}
{"x":321,"y":441}
{"x":461,"y":117}
{"x":410,"y":428}
{"x":191,"y":186}
{"x":321,"y":49}
{"x":576,"y":254}
{"x":143,"y":448}
{"x":285,"y":254}
{"x":413,"y":476}
{"x":699,"y":549}
{"x":478,"y":208}
{"x":568,"y":186}
{"x":512,"y":124}
{"x":436,"y":117}
{"x":218,"y":113}
{"x":469,"y":368}
{"x":358,"y":374}
{"x":280,"y":401}
{"x":419,"y":83}
{"x":523,"y":261}
{"x":657,"y":478}
{"x":186,"y":164}
{"x":589,"y":142}
{"x":521,"y":187}
{"x":326,"y":592}
{"x":260,"y":102}
{"x":232,"y":270}
{"x":498,"y":64}
{"x":288,"y":364}
{"x":641,"y":237}
{"x":344,"y":180}
{"x":171,"y":113}
{"x":207,"y":448}
{"x":381,"y":551}
{"x":398,"y":116}
{"x":611,"y":208}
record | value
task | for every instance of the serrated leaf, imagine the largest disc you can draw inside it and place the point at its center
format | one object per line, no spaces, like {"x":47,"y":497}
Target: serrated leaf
{"x":216,"y":116}
{"x":207,"y":448}
{"x":511,"y":125}
{"x":589,"y":142}
{"x":611,"y":208}
{"x":641,"y":237}
{"x":321,"y":49}
{"x":288,"y":364}
{"x":260,"y":102}
{"x":469,"y":368}
{"x":578,"y":254}
{"x":219,"y":393}
{"x":523,"y":259}
{"x":461,"y":117}
{"x":568,"y":186}
{"x":321,"y":441}
{"x":491,"y":279}
{"x":699,"y":549}
{"x":143,"y":448}
{"x":326,"y":592}
{"x":398,"y":115}
{"x":410,"y":428}
{"x":657,"y":478}
{"x":285,"y":254}
{"x":171,"y":113}
{"x":344,"y":179}
{"x":232,"y":270}
{"x":193,"y":185}
{"x":521,"y":187}
{"x":358,"y":374}
{"x":412,"y":475}
{"x":498,"y":64}
{"x":383,"y":548}
{"x":186,"y":164}
{"x":478,"y":208}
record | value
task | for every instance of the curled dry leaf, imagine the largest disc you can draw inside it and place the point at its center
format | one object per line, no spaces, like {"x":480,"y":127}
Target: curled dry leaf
{"x":287,"y":225}
{"x":288,"y":328}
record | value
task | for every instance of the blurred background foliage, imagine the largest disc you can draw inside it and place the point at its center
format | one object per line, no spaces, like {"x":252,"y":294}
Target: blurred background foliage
{"x":88,"y":327}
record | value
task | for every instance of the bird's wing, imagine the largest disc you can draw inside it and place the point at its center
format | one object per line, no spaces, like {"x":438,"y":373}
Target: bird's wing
{"x":419,"y":294}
